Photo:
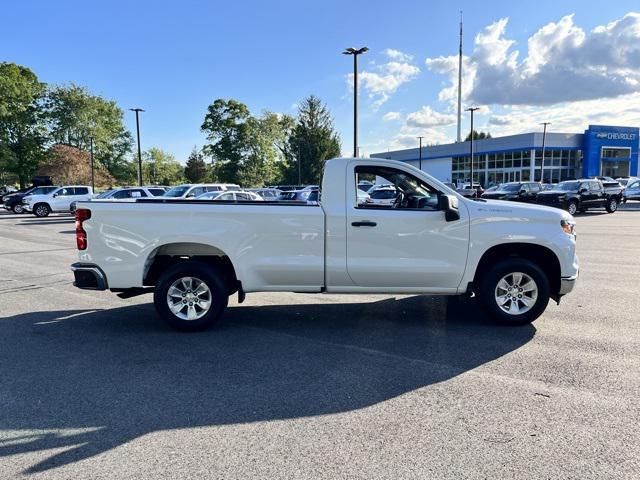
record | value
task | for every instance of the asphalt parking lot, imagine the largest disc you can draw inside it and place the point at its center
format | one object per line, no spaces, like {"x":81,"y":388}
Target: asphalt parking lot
{"x":313,"y":386}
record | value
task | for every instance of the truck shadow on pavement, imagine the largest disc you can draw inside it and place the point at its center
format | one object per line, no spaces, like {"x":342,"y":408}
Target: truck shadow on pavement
{"x":90,"y":381}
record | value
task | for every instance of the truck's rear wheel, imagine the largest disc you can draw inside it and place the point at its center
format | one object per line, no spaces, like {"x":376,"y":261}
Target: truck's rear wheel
{"x":515,"y":291}
{"x":612,"y":205}
{"x":190,"y":296}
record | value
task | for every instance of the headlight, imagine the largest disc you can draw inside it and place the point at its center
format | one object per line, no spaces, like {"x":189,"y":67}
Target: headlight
{"x":567,"y":226}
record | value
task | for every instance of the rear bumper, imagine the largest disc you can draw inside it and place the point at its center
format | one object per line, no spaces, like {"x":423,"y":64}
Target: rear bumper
{"x":89,"y":277}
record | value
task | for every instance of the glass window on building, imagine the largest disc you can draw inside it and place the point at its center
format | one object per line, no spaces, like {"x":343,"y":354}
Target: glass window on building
{"x":611,"y":152}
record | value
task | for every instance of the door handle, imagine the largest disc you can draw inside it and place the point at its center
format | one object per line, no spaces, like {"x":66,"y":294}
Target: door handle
{"x":366,"y":223}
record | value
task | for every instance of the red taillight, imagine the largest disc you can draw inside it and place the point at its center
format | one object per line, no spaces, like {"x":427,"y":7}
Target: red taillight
{"x":82,"y":214}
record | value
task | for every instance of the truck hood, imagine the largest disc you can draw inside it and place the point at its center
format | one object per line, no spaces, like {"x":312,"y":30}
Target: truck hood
{"x":499,"y":208}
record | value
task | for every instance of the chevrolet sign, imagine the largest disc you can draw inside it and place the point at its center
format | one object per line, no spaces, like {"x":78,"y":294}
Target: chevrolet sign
{"x":616,"y":136}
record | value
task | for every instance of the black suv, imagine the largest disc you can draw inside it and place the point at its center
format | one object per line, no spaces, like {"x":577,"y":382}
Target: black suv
{"x":515,"y":191}
{"x":13,"y":201}
{"x":580,"y":195}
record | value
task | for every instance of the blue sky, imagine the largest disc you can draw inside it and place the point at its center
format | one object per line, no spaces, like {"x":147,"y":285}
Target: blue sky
{"x":174,"y":58}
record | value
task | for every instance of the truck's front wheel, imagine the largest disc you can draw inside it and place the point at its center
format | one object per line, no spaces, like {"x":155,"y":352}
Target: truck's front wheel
{"x":515,"y":291}
{"x":190,"y":296}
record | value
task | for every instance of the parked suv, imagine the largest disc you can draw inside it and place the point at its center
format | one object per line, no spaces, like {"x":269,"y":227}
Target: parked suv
{"x":580,"y":195}
{"x":58,"y":200}
{"x":515,"y":191}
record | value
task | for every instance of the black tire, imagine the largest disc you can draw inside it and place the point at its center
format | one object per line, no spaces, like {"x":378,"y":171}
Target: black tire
{"x":17,"y":208}
{"x":612,"y":205}
{"x":41,"y":210}
{"x":572,"y":207}
{"x":208,"y":275}
{"x":488,"y":290}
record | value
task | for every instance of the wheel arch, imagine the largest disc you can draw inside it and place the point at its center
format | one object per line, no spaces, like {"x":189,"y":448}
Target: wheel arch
{"x":542,"y":256}
{"x":169,"y":254}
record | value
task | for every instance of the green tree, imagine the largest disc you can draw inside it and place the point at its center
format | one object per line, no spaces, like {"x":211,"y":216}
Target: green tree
{"x":244,"y":149}
{"x":160,"y":167}
{"x":312,"y":142}
{"x":22,"y":123}
{"x":196,"y":170}
{"x":478,"y":136}
{"x":76,"y":116}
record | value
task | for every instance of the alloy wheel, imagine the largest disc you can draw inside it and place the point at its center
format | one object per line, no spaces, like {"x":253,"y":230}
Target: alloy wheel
{"x":189,"y":298}
{"x":516,"y":293}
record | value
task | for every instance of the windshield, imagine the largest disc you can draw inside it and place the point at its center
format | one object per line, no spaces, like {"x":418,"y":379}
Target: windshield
{"x":567,"y":186}
{"x":177,"y":191}
{"x":510,"y":187}
{"x":106,"y":194}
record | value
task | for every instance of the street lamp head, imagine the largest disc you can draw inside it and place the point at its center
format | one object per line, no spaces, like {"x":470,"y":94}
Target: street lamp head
{"x":355,"y":51}
{"x":136,"y":110}
{"x":472,"y":109}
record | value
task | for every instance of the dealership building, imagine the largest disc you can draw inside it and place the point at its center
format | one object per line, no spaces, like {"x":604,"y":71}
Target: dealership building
{"x":600,"y":150}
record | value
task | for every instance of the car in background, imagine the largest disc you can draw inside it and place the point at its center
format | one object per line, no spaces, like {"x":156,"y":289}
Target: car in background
{"x":193,"y":190}
{"x":362,"y":197}
{"x":13,"y":201}
{"x":624,"y":182}
{"x":270,"y":194}
{"x":632,"y":191}
{"x":515,"y":191}
{"x":233,"y":196}
{"x":308,"y":196}
{"x":365,"y":185}
{"x":58,"y":200}
{"x":125,"y":193}
{"x":383,"y":195}
{"x":6,"y":190}
{"x":580,"y":195}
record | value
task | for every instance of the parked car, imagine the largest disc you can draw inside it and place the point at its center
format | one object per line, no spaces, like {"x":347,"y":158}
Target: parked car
{"x":125,"y":193}
{"x":269,"y":194}
{"x":476,"y":186}
{"x":192,"y":190}
{"x":57,"y":200}
{"x":385,"y":195}
{"x":287,"y":188}
{"x":365,"y":185}
{"x":195,"y":255}
{"x":231,"y":196}
{"x":299,"y":196}
{"x":632,"y":191}
{"x":515,"y":191}
{"x":13,"y":201}
{"x":624,"y":183}
{"x":581,"y":195}
{"x":6,"y":190}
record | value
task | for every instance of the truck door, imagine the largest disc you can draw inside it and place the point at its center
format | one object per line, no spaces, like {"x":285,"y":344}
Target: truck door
{"x":404,"y":244}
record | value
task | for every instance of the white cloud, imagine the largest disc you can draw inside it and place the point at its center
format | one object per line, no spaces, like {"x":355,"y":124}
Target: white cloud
{"x":563,"y":64}
{"x":386,"y":78}
{"x":391,"y":116}
{"x":397,"y":55}
{"x":427,"y":117}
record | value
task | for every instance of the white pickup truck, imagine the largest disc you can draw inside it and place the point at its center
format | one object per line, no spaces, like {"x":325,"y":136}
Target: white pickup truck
{"x":194,"y":254}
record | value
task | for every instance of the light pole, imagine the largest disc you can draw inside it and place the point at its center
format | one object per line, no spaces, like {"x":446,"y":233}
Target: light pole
{"x":93,"y":178}
{"x":355,"y":52}
{"x":138,"y":110}
{"x":544,"y":138}
{"x":420,"y":154}
{"x":471,"y":109}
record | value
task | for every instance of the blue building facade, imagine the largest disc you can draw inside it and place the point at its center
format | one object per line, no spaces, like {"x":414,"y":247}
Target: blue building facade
{"x":600,"y":150}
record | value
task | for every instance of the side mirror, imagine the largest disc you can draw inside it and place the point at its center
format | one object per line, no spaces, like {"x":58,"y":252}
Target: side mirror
{"x":522,"y":192}
{"x":55,"y":195}
{"x":191,"y":195}
{"x":582,"y":190}
{"x":449,"y":205}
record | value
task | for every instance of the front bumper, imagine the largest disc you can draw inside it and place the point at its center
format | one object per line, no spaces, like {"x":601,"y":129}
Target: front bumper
{"x":89,"y":276}
{"x":567,"y":284}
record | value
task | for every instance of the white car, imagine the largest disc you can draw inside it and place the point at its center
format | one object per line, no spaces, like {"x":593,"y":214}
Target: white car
{"x":383,"y":195}
{"x":241,"y":196}
{"x":193,"y":190}
{"x":58,"y":200}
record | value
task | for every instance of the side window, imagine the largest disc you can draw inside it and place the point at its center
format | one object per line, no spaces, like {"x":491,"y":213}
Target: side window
{"x":212,"y":189}
{"x":140,"y":193}
{"x":196,"y":191}
{"x":81,"y":191}
{"x":595,"y":186}
{"x":242,"y":196}
{"x":525,"y":187}
{"x":226,"y":196}
{"x":65,"y":191}
{"x":634,"y":185}
{"x":122,"y":194}
{"x":584,"y":185}
{"x":403,"y":190}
